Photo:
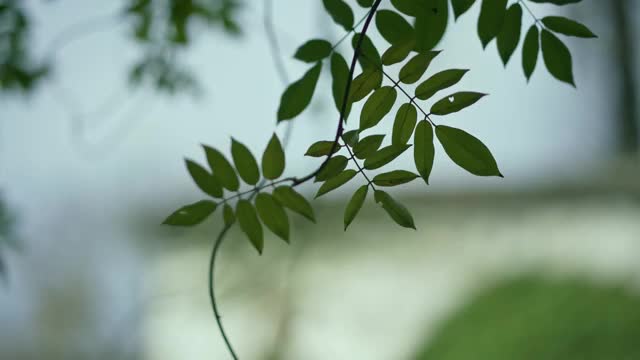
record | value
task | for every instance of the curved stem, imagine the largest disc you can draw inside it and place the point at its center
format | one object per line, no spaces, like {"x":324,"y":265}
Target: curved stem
{"x":212,"y":295}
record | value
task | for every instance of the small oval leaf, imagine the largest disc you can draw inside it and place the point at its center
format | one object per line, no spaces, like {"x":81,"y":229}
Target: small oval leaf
{"x":313,"y":50}
{"x":273,"y":215}
{"x":368,"y":146}
{"x":569,"y":27}
{"x":222,"y":169}
{"x":340,"y":12}
{"x":294,"y":202}
{"x":509,"y":35}
{"x":413,"y":70}
{"x":396,"y":211}
{"x":228,"y":215}
{"x":322,"y":148}
{"x":492,"y":13}
{"x":393,"y":178}
{"x":377,"y":106}
{"x":336,"y":182}
{"x":393,"y":27}
{"x":404,"y":124}
{"x":340,"y":77}
{"x":354,"y":205}
{"x":467,"y":151}
{"x":557,"y":57}
{"x":423,"y":150}
{"x":203,"y":179}
{"x":192,"y":214}
{"x":334,"y":167}
{"x":439,"y":81}
{"x":249,"y":223}
{"x":530,"y":51}
{"x":245,"y":163}
{"x":298,"y":95}
{"x":456,"y":102}
{"x":273,"y":159}
{"x":384,"y":156}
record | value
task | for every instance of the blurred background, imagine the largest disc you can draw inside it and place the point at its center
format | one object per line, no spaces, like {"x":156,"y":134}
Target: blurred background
{"x":101,"y":100}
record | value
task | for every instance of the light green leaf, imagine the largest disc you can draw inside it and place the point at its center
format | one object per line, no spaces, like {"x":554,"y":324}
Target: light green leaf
{"x":313,"y":50}
{"x":249,"y":223}
{"x":557,"y":57}
{"x":222,"y":169}
{"x":467,"y":151}
{"x":273,"y":215}
{"x":294,"y":201}
{"x":205,"y":181}
{"x":568,"y":27}
{"x":439,"y":81}
{"x":273,"y":160}
{"x":530,"y":51}
{"x":397,"y":53}
{"x":340,"y":77}
{"x":384,"y":156}
{"x":368,"y":146}
{"x":431,"y":24}
{"x":298,"y":95}
{"x":413,"y":70}
{"x":492,"y":15}
{"x":351,"y":137}
{"x":393,"y":27}
{"x":393,"y":178}
{"x":404,"y":124}
{"x":334,"y":167}
{"x":354,"y":205}
{"x":228,"y":215}
{"x":364,"y":84}
{"x":340,"y":12}
{"x":377,"y":106}
{"x":396,"y":211}
{"x":456,"y":102}
{"x":423,"y":150}
{"x":336,"y":181}
{"x":509,"y":36}
{"x":461,"y":6}
{"x":245,"y":163}
{"x":322,"y":148}
{"x":192,"y":214}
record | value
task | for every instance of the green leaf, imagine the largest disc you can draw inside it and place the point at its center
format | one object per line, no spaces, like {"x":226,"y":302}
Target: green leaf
{"x":249,"y":223}
{"x":509,"y":36}
{"x":340,"y":12}
{"x":431,"y":24}
{"x":423,"y":149}
{"x":245,"y":163}
{"x":456,"y":102}
{"x":404,"y":124}
{"x":413,"y":70}
{"x":556,"y":2}
{"x":396,"y":211}
{"x":377,"y":106}
{"x":294,"y":201}
{"x":203,"y":179}
{"x":322,"y":148}
{"x":351,"y":137}
{"x":384,"y":156}
{"x":409,"y":7}
{"x":340,"y":77}
{"x":530,"y":50}
{"x":273,"y":160}
{"x":313,"y":50}
{"x":364,"y":84}
{"x":365,"y":3}
{"x":222,"y":169}
{"x":228,"y":215}
{"x":335,"y":166}
{"x":439,"y":81}
{"x":467,"y":151}
{"x":273,"y":215}
{"x":336,"y":181}
{"x":192,"y":214}
{"x":568,"y":27}
{"x":397,"y":53}
{"x":557,"y":57}
{"x":393,"y":178}
{"x":461,"y":6}
{"x":492,"y":15}
{"x":393,"y":27}
{"x":368,"y":146}
{"x":354,"y":205}
{"x":369,"y":57}
{"x":298,"y":95}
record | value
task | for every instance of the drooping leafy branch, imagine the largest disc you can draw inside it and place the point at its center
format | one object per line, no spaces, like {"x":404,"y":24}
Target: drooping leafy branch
{"x":412,"y":29}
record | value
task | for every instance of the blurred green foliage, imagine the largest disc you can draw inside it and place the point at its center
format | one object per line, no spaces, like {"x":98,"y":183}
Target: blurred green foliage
{"x":535,"y":318}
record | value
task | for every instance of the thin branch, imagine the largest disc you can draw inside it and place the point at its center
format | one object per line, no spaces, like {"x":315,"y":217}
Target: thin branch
{"x":524,"y":5}
{"x":360,"y":169}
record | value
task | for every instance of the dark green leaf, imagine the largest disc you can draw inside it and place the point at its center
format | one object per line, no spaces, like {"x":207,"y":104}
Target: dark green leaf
{"x":313,"y":50}
{"x":340,"y":76}
{"x":439,"y":81}
{"x":364,"y":84}
{"x":509,"y":36}
{"x":467,"y":151}
{"x":431,"y":24}
{"x":557,"y":57}
{"x":368,"y":146}
{"x":205,"y":181}
{"x":365,"y":3}
{"x":336,"y":181}
{"x":245,"y":163}
{"x":340,"y":12}
{"x":456,"y":102}
{"x":397,"y":53}
{"x":335,"y":166}
{"x":404,"y":124}
{"x":249,"y":223}
{"x":354,"y":205}
{"x":322,"y":148}
{"x":423,"y":150}
{"x":384,"y":156}
{"x":461,"y":6}
{"x":492,"y":15}
{"x":556,"y":2}
{"x":222,"y":169}
{"x":393,"y":27}
{"x":377,"y":106}
{"x":273,"y":160}
{"x":228,"y":215}
{"x":273,"y":215}
{"x":409,"y":7}
{"x":192,"y":214}
{"x":369,"y":57}
{"x":566,"y":26}
{"x":298,"y":95}
{"x":294,"y":202}
{"x":413,"y":70}
{"x":396,"y":211}
{"x":530,"y":50}
{"x":393,"y":178}
{"x":351,"y":137}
